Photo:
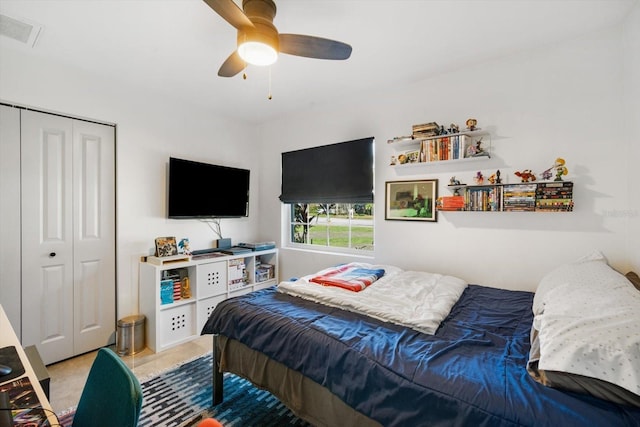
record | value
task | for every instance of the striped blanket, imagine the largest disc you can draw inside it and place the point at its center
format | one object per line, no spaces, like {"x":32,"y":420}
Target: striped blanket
{"x":348,"y":276}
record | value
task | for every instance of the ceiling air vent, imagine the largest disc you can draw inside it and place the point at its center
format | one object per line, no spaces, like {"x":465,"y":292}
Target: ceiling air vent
{"x":20,"y":30}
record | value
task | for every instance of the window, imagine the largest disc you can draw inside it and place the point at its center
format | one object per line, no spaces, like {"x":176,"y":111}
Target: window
{"x":334,"y":225}
{"x":329,"y":190}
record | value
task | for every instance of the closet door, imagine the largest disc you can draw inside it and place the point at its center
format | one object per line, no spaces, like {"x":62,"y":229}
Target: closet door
{"x":94,"y":269}
{"x":10,"y":214}
{"x":68,"y":235}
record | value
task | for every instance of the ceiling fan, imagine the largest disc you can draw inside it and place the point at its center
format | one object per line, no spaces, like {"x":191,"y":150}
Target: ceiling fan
{"x":259,"y":41}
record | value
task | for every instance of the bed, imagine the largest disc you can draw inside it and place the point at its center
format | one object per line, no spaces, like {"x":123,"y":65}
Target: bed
{"x":334,"y":366}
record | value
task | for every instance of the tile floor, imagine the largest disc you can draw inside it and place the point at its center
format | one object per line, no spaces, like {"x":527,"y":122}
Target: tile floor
{"x":68,"y":377}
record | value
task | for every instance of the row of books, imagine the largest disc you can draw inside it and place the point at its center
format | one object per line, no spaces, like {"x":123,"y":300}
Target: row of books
{"x":444,"y":148}
{"x":519,"y":197}
{"x":555,"y":196}
{"x":546,"y":197}
{"x":174,"y":286}
{"x":483,"y":199}
{"x":450,"y":203}
{"x":237,"y":273}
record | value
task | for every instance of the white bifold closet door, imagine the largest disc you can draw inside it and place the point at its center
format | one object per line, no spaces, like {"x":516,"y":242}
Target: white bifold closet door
{"x":68,"y":234}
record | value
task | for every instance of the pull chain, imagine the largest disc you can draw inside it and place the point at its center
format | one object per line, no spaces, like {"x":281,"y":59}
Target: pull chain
{"x":270,"y":84}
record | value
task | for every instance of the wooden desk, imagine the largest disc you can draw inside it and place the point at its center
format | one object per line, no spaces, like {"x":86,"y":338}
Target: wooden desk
{"x":26,"y":385}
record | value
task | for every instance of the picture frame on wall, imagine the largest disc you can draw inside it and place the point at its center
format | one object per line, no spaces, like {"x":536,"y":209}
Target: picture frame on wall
{"x":411,"y":200}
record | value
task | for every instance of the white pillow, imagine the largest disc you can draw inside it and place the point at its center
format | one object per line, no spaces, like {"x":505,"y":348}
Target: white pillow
{"x":577,"y":272}
{"x":587,"y":315}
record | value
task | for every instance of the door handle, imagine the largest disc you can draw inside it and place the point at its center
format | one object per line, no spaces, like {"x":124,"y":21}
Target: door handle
{"x":52,"y":254}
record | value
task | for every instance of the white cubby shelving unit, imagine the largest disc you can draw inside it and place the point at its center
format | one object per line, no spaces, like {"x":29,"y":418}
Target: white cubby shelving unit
{"x":212,"y":279}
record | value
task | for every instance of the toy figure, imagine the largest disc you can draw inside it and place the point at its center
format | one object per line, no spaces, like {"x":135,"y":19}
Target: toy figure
{"x":393,"y":161}
{"x":526,"y":175}
{"x":454,"y":181}
{"x":477,"y":150}
{"x":184,"y":246}
{"x":479,"y":178}
{"x":471,"y":124}
{"x":547,"y":173}
{"x":561,"y":169}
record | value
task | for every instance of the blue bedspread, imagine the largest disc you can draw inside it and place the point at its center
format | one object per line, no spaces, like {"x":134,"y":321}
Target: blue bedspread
{"x":471,"y":372}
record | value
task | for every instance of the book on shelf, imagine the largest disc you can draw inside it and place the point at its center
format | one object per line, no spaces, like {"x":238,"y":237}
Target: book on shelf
{"x":483,"y":198}
{"x":237,"y":272}
{"x":166,"y":291}
{"x":264,"y":272}
{"x":451,"y":203}
{"x":519,"y":197}
{"x":425,"y":130}
{"x":554,"y":196}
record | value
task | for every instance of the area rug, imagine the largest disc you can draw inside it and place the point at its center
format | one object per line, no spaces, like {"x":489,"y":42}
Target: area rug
{"x":181,"y":397}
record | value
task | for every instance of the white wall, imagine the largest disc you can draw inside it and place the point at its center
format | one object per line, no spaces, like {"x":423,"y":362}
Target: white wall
{"x":632,"y":120}
{"x":564,"y":100}
{"x":150,"y":129}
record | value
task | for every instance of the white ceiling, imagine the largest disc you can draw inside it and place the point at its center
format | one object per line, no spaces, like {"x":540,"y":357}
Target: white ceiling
{"x":176,"y":46}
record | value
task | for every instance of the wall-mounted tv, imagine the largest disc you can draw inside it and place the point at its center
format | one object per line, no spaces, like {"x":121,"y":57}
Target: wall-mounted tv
{"x":203,"y":190}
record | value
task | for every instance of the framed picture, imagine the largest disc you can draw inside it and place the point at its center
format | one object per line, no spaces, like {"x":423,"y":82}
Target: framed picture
{"x":411,"y":200}
{"x":166,"y":246}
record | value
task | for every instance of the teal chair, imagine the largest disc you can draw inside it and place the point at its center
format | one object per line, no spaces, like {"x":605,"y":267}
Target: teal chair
{"x":112,"y":395}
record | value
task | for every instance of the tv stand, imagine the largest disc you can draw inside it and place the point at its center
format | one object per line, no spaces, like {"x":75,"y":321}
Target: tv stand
{"x":213,"y":277}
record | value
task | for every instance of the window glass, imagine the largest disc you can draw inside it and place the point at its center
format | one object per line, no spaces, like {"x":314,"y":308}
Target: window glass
{"x":342,"y":226}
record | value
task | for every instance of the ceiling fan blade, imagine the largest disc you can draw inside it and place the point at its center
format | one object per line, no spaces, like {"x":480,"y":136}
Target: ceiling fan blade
{"x":313,"y":47}
{"x":232,"y":66}
{"x":230,"y":12}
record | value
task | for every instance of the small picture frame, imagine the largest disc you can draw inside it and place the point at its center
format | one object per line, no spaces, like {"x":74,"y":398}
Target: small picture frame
{"x":166,"y":246}
{"x":411,"y":200}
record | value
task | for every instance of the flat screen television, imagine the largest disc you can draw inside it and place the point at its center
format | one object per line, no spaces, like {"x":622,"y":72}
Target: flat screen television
{"x":203,"y":190}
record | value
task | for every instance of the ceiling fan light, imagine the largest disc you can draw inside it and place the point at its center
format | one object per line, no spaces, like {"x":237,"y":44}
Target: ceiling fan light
{"x":257,"y":53}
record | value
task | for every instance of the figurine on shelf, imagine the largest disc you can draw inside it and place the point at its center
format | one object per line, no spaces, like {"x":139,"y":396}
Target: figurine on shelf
{"x":454,"y":181}
{"x":471,"y":124}
{"x":526,"y":175}
{"x":476,"y":150}
{"x":494,"y":178}
{"x":184,"y":246}
{"x":393,"y":161}
{"x":453,"y":128}
{"x":479,"y":178}
{"x":546,"y":174}
{"x":561,"y":169}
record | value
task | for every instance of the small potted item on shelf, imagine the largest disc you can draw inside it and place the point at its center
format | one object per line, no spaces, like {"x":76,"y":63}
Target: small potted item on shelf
{"x":526,"y":175}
